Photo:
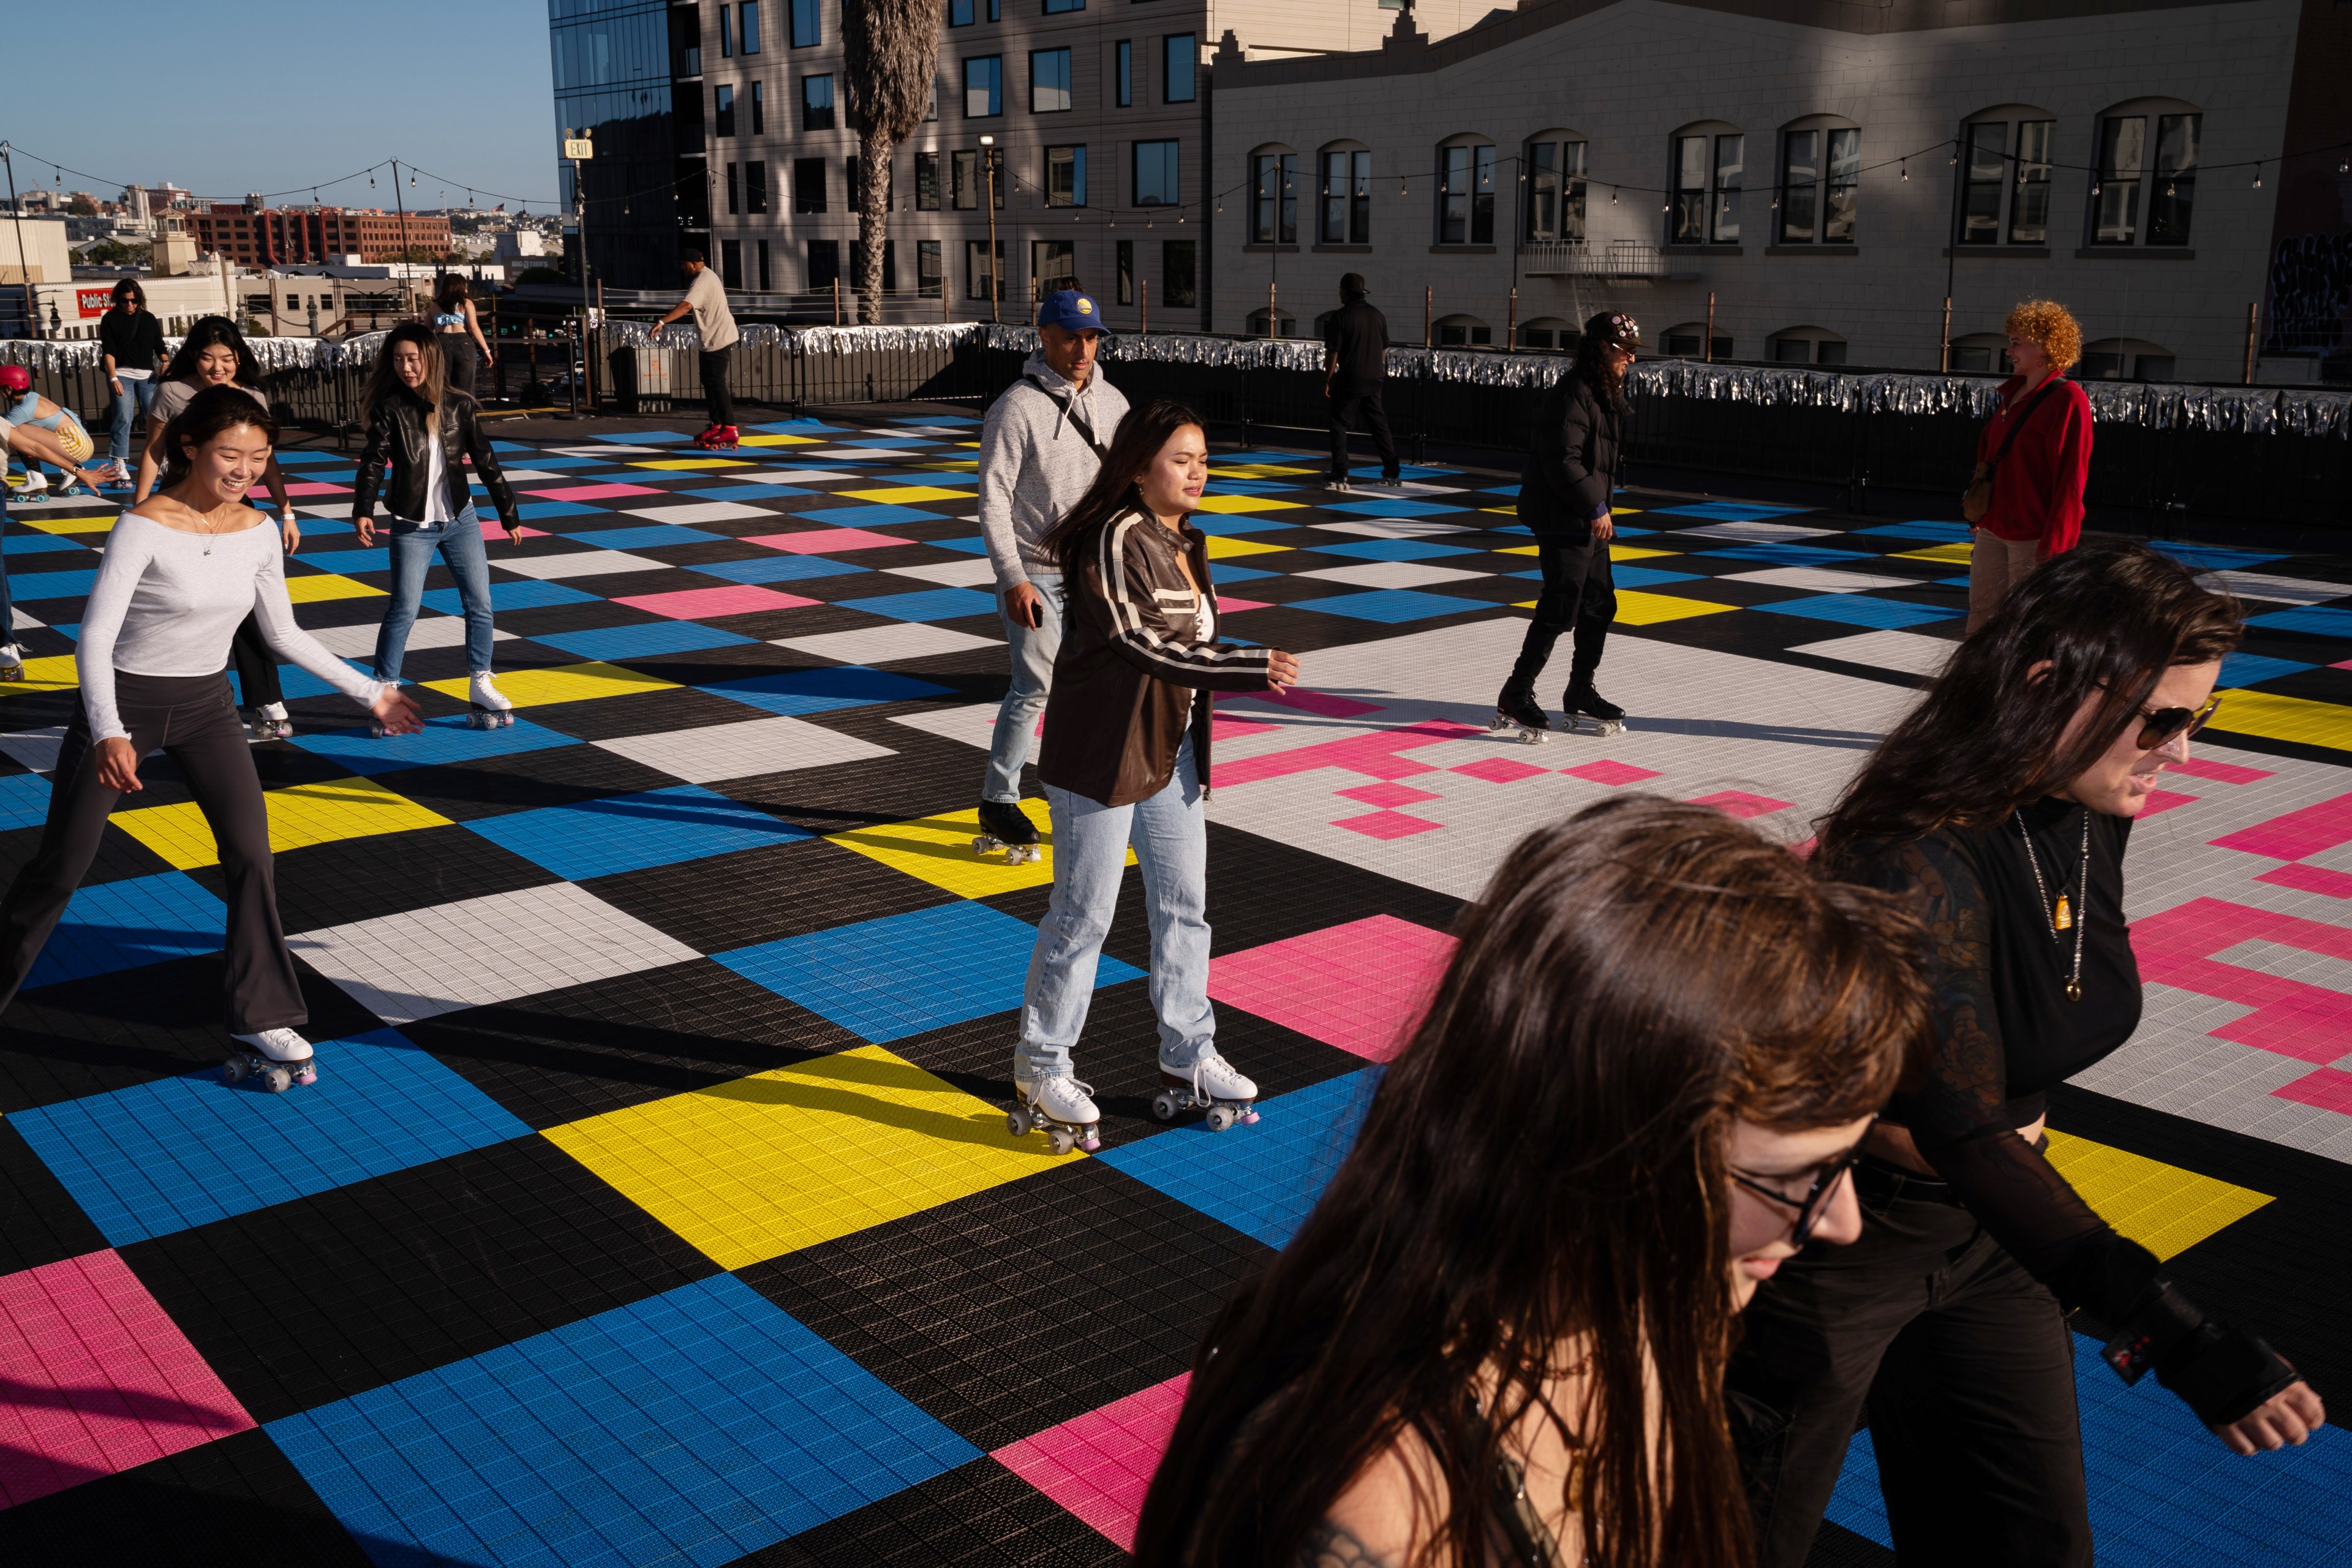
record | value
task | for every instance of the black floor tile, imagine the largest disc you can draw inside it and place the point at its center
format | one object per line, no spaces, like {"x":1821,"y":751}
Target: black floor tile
{"x":755,"y":896}
{"x":978,"y":1515}
{"x":39,"y":1221}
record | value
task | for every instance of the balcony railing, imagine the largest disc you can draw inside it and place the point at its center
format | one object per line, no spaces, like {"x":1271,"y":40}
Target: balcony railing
{"x":1620,"y":259}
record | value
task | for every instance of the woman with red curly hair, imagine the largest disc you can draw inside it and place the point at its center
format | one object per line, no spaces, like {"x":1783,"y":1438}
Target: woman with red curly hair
{"x":2032,"y":458}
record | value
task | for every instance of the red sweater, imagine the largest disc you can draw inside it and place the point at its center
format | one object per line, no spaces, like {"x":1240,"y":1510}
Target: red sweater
{"x":2037,"y":492}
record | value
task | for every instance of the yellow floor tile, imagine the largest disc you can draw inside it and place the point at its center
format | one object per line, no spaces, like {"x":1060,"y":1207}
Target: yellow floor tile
{"x":783,"y":441}
{"x":1636,"y":608}
{"x":1949,"y":554}
{"x":2164,"y":1208}
{"x":570,"y":683}
{"x":1216,"y":503}
{"x":907,"y":495}
{"x":305,"y":813}
{"x":1520,"y":549}
{"x":1616,"y":551}
{"x":951,"y":465}
{"x":317,"y":585}
{"x":53,"y":673}
{"x":1253,"y":471}
{"x":696,"y":463}
{"x":1220,"y":547}
{"x":2279,"y":718}
{"x":1502,"y":510}
{"x":65,"y":524}
{"x":939,"y":850}
{"x":786,"y":1160}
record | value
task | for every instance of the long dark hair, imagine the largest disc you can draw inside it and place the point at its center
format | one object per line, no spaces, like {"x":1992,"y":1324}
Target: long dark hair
{"x":127,"y":292}
{"x":383,"y":382}
{"x":1989,"y":735}
{"x":1595,"y":369}
{"x":451,"y":293}
{"x":1115,"y":492}
{"x":1542,"y":1171}
{"x":208,"y":413}
{"x":207,"y":332}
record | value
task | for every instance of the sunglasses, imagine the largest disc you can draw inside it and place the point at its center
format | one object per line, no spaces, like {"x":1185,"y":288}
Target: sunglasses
{"x":1810,"y":1207}
{"x":2160,"y":726}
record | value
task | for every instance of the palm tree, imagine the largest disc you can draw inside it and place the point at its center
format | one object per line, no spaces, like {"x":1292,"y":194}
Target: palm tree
{"x":890,"y":52}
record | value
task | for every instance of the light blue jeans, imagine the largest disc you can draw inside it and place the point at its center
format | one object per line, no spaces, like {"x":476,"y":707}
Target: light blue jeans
{"x":1033,"y":649}
{"x":137,"y":397}
{"x":1170,"y":833}
{"x":413,"y":544}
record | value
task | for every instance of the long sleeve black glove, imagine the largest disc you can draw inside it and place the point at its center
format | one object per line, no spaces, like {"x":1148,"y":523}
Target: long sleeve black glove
{"x":2222,"y":1374}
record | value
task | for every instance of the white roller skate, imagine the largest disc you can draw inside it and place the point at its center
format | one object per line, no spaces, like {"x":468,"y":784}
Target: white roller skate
{"x":1589,"y":713}
{"x":492,"y":707}
{"x":36,"y":486}
{"x":1005,"y":826}
{"x":268,"y":722}
{"x":1063,"y":1107}
{"x":277,"y":1059}
{"x":1211,"y":1084}
{"x":1517,"y":708}
{"x":12,"y":662}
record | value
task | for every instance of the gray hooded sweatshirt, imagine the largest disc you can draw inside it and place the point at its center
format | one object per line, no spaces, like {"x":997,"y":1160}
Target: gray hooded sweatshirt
{"x":1036,"y":462}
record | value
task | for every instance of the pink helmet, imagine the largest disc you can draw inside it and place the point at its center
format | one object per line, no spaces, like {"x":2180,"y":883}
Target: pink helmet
{"x":15,"y":378}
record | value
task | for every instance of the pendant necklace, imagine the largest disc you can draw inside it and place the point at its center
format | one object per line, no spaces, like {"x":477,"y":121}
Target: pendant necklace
{"x":2063,"y":915}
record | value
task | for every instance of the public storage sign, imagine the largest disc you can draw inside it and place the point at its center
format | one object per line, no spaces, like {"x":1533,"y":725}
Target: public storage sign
{"x":94,"y":301}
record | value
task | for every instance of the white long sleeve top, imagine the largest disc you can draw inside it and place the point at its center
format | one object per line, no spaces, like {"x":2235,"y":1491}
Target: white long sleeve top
{"x":168,"y":603}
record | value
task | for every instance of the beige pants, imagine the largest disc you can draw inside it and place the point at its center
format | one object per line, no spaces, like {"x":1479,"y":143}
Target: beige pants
{"x":1995,"y":566}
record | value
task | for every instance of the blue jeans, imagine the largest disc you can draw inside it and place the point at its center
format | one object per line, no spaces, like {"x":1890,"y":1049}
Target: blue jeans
{"x":1032,"y":649}
{"x":136,"y":397}
{"x":413,"y":544}
{"x":1170,"y":833}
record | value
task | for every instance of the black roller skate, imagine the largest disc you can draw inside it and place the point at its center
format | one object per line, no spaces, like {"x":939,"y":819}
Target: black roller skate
{"x":276,"y":1058}
{"x":1005,"y":826}
{"x":1517,"y":708}
{"x":1211,"y":1084}
{"x":1589,"y":713}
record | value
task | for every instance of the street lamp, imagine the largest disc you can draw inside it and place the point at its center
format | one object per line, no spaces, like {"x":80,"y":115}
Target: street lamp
{"x":995,"y":261}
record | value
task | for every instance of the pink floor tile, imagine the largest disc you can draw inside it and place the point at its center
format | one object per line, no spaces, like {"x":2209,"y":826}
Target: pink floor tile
{"x":2298,"y":833}
{"x":95,"y":1379}
{"x":1612,"y":773}
{"x":826,"y":541}
{"x":2165,"y":800}
{"x":1805,"y":851}
{"x":1100,"y":1464}
{"x":1360,"y":986}
{"x":1499,"y":770}
{"x":1318,"y":702}
{"x":1386,"y":795}
{"x":1224,"y":728}
{"x":700,"y":603}
{"x":493,"y":528}
{"x":2290,"y":1017}
{"x":1739,"y":803}
{"x":595,"y":493}
{"x":2329,"y":1088}
{"x":1235,"y":606}
{"x":1373,"y":755}
{"x":315,"y":488}
{"x":2223,"y":772}
{"x":1387,"y":825}
{"x":2309,"y":880}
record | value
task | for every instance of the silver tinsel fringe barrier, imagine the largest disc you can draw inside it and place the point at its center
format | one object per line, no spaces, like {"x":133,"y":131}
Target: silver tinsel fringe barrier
{"x":275,"y":353}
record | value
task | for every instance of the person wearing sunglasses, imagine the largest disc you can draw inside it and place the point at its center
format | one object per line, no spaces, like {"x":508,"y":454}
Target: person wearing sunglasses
{"x":2000,"y":807}
{"x":1499,"y":1337}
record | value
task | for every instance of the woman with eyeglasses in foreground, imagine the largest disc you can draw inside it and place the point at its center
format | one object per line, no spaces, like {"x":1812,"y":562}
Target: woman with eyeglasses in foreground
{"x":1500,"y":1336}
{"x":1999,"y":809}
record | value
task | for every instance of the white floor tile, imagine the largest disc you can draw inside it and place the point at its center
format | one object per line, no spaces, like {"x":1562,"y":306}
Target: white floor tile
{"x":739,"y":751}
{"x":974,"y":573}
{"x":578,"y":564}
{"x":430,"y":631}
{"x":699,"y":511}
{"x":1396,"y":527}
{"x":973,"y":724}
{"x":1910,"y":652}
{"x":1749,"y":532}
{"x":2284,"y":590}
{"x":886,"y":644}
{"x":1393,"y":575}
{"x":36,"y":749}
{"x":1819,"y":580}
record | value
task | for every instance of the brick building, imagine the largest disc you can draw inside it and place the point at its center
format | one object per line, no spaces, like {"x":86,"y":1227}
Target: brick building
{"x":274,"y":237}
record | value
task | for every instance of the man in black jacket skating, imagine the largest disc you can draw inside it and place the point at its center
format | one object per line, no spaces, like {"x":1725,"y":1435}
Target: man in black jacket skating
{"x":1572,"y":469}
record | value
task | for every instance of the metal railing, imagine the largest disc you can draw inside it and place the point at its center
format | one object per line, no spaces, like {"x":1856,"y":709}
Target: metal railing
{"x":1619,"y":258}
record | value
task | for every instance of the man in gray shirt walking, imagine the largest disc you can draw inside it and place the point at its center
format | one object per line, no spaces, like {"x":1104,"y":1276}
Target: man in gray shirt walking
{"x":1040,"y":448}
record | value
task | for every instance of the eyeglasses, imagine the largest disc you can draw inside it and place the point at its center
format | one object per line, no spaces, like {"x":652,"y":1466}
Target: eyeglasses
{"x":2160,"y":726}
{"x":1810,"y":1207}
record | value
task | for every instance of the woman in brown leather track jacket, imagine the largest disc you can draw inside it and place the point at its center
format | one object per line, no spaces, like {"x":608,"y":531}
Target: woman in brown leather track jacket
{"x":1126,"y":762}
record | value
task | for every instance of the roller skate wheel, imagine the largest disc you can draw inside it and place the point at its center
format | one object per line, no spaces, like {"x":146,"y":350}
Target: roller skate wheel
{"x":1249,"y":1118}
{"x":1221,"y":1116}
{"x":1533,"y":737}
{"x":1498,"y":722}
{"x":1090,"y":1143}
{"x":277,"y":1079}
{"x":375,"y":728}
{"x":233,"y":1071}
{"x":1022,"y":855}
{"x":1061,"y":1140}
{"x":1016,"y":1121}
{"x":1163,"y":1105}
{"x":984,"y":845}
{"x":12,"y":672}
{"x":308,"y":1075}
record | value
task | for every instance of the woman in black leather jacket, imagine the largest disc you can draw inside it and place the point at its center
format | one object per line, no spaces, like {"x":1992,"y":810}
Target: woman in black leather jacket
{"x":421,"y":430}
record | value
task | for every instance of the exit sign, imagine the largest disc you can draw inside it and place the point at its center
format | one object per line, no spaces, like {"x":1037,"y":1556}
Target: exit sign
{"x":579,"y":147}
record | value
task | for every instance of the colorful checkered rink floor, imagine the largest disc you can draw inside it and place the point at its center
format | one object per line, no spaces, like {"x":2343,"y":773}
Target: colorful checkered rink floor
{"x":657,"y":1205}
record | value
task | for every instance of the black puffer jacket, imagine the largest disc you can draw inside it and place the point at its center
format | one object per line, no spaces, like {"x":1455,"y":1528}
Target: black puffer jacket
{"x":1576,"y":462}
{"x":398,"y":434}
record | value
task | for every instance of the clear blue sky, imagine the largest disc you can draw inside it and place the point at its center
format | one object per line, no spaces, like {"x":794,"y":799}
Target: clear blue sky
{"x":269,"y":95}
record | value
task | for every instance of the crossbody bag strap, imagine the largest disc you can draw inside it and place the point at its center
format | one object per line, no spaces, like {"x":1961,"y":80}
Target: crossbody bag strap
{"x":2017,"y":424}
{"x":1070,"y":410}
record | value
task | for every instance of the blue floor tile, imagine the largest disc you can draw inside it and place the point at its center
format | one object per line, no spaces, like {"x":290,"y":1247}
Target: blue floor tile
{"x":298,"y":682}
{"x":972,"y":546}
{"x":1222,"y":573}
{"x":1861,"y":610}
{"x":643,"y":439}
{"x":1268,"y":460}
{"x":342,"y":561}
{"x":1394,"y":506}
{"x":1392,"y":606}
{"x":1218,"y":524}
{"x":631,"y":832}
{"x":691,"y":1428}
{"x":878,"y":515}
{"x":1777,"y":555}
{"x":122,"y":925}
{"x":27,"y":586}
{"x":1405,"y":471}
{"x":1936,"y":532}
{"x":1222,"y":486}
{"x":24,"y":800}
{"x":2241,"y":668}
{"x":529,"y":593}
{"x":2318,"y":619}
{"x":886,"y":979}
{"x":1259,"y":1179}
{"x":941,"y":420}
{"x":777,"y":568}
{"x":742,"y":492}
{"x":1391,"y":550}
{"x":637,"y":642}
{"x":1499,"y":490}
{"x":931,"y":605}
{"x":549,"y":463}
{"x":652,"y":536}
{"x":297,"y":460}
{"x":1726,"y":511}
{"x":1632,"y":576}
{"x":793,"y":427}
{"x":538,"y":510}
{"x":823,"y":690}
{"x":448,"y":739}
{"x":33,"y":543}
{"x":2212,"y":557}
{"x":182,"y":1152}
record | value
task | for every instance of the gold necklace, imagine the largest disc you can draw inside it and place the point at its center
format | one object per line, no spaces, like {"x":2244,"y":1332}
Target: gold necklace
{"x":2062,"y":915}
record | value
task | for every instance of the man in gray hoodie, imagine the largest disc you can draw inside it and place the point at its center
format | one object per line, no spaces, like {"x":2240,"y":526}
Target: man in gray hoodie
{"x":1040,"y":448}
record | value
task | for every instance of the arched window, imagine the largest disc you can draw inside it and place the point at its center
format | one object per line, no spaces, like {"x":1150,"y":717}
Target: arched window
{"x":2144,"y":174}
{"x":2126,"y":358}
{"x":1550,"y":332}
{"x":1465,"y":191}
{"x":1345,"y":192}
{"x":1282,"y":324}
{"x":1274,"y":196}
{"x":1981,"y":352}
{"x":1463,"y":332}
{"x":1806,"y":346}
{"x":1708,"y":164}
{"x":1687,"y":342}
{"x":2005,"y":176}
{"x":1821,"y":181}
{"x":1554,"y":199}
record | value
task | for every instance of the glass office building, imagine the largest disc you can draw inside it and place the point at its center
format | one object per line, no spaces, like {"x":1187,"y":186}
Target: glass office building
{"x":628,"y":73}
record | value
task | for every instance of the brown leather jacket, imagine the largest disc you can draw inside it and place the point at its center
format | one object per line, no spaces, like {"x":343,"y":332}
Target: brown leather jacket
{"x":1137,"y":665}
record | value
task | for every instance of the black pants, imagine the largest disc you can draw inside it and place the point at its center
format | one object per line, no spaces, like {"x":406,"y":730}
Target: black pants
{"x":714,"y":386}
{"x":1579,"y":595}
{"x":256,"y":665}
{"x":1345,"y":411}
{"x":196,"y":723}
{"x":1965,"y":1366}
{"x":459,"y":359}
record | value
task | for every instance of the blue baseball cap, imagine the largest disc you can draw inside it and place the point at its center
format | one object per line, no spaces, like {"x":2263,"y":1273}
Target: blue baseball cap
{"x":1071,"y":311}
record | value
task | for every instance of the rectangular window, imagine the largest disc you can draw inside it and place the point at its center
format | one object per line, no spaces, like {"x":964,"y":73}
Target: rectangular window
{"x":1155,"y":183}
{"x":2115,"y":186}
{"x":734,"y":192}
{"x":730,"y":263}
{"x":1125,"y":251}
{"x":750,"y":31}
{"x":983,"y":87}
{"x":1556,"y":192}
{"x":1983,"y":178}
{"x":960,"y":12}
{"x":1844,"y":188}
{"x":1180,"y":63}
{"x":1274,"y":199}
{"x":2029,"y":206}
{"x":977,"y":271}
{"x":927,"y":182}
{"x":1049,"y":81}
{"x":1056,"y":7}
{"x":807,"y":30}
{"x":927,"y":268}
{"x":1065,"y":176}
{"x":725,"y":33}
{"x":824,"y":265}
{"x":723,"y":117}
{"x":1176,"y":287}
{"x":2173,"y":188}
{"x":967,"y":182}
{"x":856,"y":278}
{"x":1800,"y":173}
{"x":1124,"y":71}
{"x":1465,"y":195}
{"x":755,"y":187}
{"x":1052,"y":265}
{"x":759,"y":111}
{"x":1347,"y":217}
{"x":1687,"y":222}
{"x":808,"y":185}
{"x":816,"y":103}
{"x":1723,"y":208}
{"x":764,"y":284}
{"x":995,"y":7}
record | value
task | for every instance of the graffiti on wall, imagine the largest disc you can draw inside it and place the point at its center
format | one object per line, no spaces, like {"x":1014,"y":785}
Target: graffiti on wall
{"x":2311,"y":282}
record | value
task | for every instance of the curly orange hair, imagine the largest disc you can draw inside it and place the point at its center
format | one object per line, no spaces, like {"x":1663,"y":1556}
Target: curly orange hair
{"x":2051,"y":324}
